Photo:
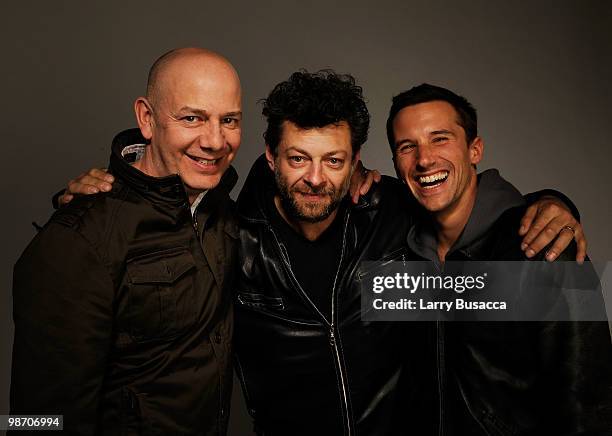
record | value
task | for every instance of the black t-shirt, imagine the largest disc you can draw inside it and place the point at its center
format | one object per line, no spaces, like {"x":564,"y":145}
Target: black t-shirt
{"x":314,"y":263}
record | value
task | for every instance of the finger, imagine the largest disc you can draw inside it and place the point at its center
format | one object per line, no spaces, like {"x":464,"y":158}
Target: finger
{"x":377,"y":176}
{"x":546,"y":213}
{"x":102,"y":174}
{"x":84,"y":184}
{"x":534,"y":231}
{"x":82,"y":188}
{"x":581,"y":244}
{"x":97,"y":177}
{"x":64,"y":199}
{"x":355,"y":182}
{"x":553,"y":229}
{"x":354,"y":189}
{"x":561,"y":243}
{"x":528,"y":219}
{"x":367,"y":183}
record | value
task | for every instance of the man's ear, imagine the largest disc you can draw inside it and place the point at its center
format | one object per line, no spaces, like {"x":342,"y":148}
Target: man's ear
{"x":476,"y":150}
{"x":270,"y":157}
{"x":144,"y":117}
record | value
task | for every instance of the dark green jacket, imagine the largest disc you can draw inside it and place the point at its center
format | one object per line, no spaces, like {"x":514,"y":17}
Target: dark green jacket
{"x":122,"y":309}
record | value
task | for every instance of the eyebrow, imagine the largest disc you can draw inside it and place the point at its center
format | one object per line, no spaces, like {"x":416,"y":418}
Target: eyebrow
{"x":404,"y":141}
{"x":435,"y":132}
{"x":442,"y":132}
{"x":205,"y":112}
{"x":301,"y":150}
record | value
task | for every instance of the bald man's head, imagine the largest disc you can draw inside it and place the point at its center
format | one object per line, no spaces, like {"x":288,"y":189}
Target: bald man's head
{"x":181,"y":57}
{"x":191,"y":115}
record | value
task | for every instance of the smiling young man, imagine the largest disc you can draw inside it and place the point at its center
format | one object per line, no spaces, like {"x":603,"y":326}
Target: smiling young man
{"x":122,"y":317}
{"x":539,"y":378}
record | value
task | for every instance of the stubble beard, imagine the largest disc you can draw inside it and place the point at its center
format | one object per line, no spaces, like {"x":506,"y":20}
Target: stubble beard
{"x":301,"y":211}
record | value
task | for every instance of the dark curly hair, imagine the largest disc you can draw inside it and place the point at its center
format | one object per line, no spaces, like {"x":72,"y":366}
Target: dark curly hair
{"x":424,"y":93}
{"x":314,"y":100}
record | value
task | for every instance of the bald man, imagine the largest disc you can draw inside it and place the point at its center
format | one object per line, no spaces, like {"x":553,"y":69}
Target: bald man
{"x":122,"y":316}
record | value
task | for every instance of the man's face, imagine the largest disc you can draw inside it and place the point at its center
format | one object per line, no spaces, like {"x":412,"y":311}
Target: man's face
{"x":313,"y":168}
{"x":432,"y":155}
{"x":195,"y":127}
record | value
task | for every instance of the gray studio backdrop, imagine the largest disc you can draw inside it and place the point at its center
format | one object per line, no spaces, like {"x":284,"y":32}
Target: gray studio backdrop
{"x":537,"y":71}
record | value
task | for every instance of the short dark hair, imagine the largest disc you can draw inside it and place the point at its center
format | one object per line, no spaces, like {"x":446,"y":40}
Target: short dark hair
{"x":315,"y":100}
{"x":425,"y":93}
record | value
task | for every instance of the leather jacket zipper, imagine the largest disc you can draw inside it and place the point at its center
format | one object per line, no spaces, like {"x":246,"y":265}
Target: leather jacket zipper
{"x":333,"y":337}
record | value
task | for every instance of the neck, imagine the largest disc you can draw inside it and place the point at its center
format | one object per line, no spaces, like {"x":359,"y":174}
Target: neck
{"x":147,"y":165}
{"x":451,"y":221}
{"x":310,"y":231}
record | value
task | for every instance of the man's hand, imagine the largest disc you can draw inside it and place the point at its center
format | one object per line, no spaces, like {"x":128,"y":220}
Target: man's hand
{"x":361,"y":181}
{"x":546,"y":219}
{"x":93,"y":181}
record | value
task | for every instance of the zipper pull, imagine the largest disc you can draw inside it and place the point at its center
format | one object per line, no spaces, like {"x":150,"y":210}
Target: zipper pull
{"x":332,"y":338}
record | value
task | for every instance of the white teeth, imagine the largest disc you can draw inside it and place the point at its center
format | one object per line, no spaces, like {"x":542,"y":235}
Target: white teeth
{"x":434,"y":177}
{"x":206,"y":162}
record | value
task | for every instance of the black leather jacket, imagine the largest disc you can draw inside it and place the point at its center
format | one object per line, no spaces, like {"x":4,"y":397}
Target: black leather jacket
{"x":122,"y":317}
{"x":514,"y":378}
{"x":304,"y":374}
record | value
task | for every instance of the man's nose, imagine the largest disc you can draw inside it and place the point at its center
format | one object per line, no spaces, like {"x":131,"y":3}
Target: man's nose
{"x":425,"y":156}
{"x":212,"y":136}
{"x":314,"y":176}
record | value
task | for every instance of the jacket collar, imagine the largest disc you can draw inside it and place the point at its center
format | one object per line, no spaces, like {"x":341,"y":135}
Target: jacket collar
{"x":157,"y":189}
{"x":494,"y":197}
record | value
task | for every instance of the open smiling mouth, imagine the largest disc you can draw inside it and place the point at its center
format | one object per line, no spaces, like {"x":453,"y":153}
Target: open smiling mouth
{"x":433,"y":180}
{"x":202,"y":161}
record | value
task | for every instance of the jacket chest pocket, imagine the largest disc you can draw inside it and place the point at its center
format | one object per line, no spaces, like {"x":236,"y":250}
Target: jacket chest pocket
{"x":161,"y":294}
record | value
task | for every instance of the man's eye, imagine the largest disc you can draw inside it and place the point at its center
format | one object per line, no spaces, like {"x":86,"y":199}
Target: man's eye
{"x":439,"y":139}
{"x":190,"y":118}
{"x":335,"y":161}
{"x":405,"y":148}
{"x":230,"y":122}
{"x":296,"y":159}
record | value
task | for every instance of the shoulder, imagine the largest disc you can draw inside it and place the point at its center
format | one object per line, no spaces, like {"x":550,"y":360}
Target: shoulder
{"x":89,"y":219}
{"x":87,"y":212}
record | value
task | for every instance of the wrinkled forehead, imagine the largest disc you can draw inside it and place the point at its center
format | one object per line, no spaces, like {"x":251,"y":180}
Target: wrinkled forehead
{"x":316,"y":141}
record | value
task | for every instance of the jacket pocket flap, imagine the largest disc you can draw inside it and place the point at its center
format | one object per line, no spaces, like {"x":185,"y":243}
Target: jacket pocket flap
{"x":260,"y":301}
{"x":161,"y":267}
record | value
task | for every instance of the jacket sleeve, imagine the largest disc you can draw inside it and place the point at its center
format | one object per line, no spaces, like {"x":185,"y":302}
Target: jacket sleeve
{"x":63,"y":314}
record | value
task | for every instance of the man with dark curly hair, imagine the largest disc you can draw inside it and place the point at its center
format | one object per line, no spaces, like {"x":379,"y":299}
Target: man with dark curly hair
{"x":298,"y":314}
